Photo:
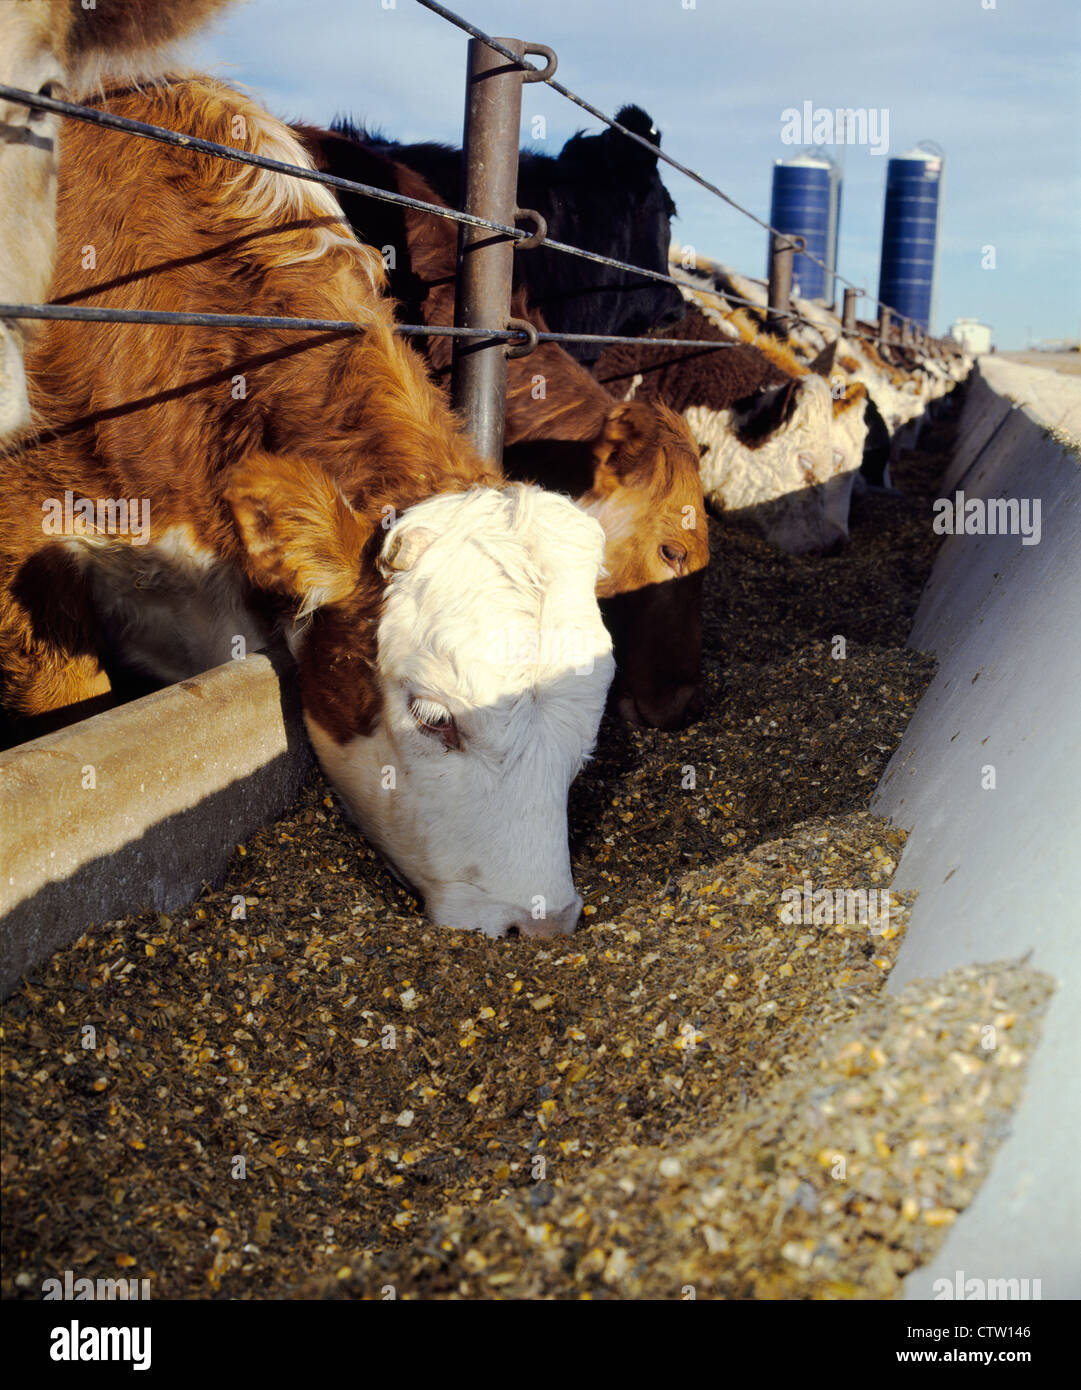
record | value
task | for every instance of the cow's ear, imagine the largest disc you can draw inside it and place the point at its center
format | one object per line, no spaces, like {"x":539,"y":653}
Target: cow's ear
{"x":641,"y":123}
{"x":403,"y":548}
{"x":767,"y":411}
{"x":625,"y":450}
{"x":823,"y":363}
{"x":300,"y":535}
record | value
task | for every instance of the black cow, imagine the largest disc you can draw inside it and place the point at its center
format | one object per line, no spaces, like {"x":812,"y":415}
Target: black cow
{"x":602,"y":193}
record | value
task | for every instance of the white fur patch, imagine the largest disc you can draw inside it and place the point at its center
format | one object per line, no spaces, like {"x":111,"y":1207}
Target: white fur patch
{"x":14,"y":405}
{"x":281,"y":197}
{"x":789,"y":480}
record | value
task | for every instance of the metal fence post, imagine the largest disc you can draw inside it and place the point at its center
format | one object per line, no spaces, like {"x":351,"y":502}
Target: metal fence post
{"x":781,"y":251}
{"x":848,"y":322}
{"x":884,"y":320}
{"x":493,"y":117}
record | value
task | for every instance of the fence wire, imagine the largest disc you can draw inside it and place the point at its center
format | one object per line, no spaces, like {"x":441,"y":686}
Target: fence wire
{"x":145,"y":131}
{"x":461,"y":23}
{"x":91,"y":314}
{"x":178,"y":139}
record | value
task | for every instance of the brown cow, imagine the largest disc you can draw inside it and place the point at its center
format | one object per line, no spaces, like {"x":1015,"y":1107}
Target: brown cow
{"x":190,"y":490}
{"x":633,"y":466}
{"x":779,"y":449}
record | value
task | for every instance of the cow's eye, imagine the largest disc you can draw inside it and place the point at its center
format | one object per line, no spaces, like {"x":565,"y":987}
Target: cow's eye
{"x":674,"y":556}
{"x":47,"y":89}
{"x":434,"y":720}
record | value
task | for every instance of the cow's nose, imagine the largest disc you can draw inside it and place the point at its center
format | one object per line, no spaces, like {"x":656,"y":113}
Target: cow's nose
{"x":837,"y":546}
{"x":673,"y":709}
{"x":560,"y":923}
{"x":694,"y":703}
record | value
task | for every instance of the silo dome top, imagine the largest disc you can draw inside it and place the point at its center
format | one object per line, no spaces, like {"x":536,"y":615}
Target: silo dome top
{"x":813,"y":157}
{"x":928,"y":151}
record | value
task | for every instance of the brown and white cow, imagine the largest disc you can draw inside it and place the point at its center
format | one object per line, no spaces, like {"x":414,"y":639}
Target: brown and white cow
{"x":56,"y":48}
{"x":632,"y":466}
{"x":778,"y":449}
{"x":187,"y":487}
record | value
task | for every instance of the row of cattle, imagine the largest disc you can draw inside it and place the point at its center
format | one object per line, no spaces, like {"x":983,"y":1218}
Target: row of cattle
{"x":446,"y":622}
{"x":797,"y":482}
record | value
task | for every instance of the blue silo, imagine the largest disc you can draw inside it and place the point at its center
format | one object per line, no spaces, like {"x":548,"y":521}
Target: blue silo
{"x":806,"y":202}
{"x":910,"y":233}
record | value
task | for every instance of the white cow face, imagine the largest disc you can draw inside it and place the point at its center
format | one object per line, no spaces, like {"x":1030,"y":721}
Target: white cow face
{"x":493,"y":667}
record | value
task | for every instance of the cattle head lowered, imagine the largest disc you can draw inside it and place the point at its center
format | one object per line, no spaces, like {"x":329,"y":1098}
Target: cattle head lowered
{"x":769,"y":461}
{"x":638,"y":476}
{"x":602,"y":193}
{"x":489,"y":684}
{"x":777,"y":450}
{"x":646,"y":483}
{"x":265,"y":511}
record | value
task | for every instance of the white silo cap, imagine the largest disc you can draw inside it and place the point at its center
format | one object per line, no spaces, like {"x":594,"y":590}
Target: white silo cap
{"x":811,"y":158}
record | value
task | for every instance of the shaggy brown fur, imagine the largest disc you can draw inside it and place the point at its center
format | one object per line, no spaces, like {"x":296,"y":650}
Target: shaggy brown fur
{"x":726,"y":377}
{"x":551,"y":398}
{"x":274,"y":452}
{"x":124,"y":36}
{"x":682,"y":377}
{"x":779,"y":350}
{"x":572,"y":406}
{"x":876,"y":358}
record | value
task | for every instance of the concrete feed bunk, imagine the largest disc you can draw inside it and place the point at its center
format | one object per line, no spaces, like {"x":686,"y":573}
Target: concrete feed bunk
{"x":987,"y":776}
{"x":697,"y":1088}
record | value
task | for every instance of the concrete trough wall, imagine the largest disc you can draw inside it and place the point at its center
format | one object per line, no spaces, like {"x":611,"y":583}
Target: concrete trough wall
{"x":999,"y":870}
{"x":140,"y":806}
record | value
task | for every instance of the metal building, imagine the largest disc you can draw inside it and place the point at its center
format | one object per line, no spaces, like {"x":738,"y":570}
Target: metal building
{"x":806,"y":202}
{"x":910,"y":233}
{"x":974,"y":337}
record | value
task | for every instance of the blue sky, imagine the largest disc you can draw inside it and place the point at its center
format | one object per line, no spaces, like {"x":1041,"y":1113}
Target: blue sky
{"x":999,"y":88}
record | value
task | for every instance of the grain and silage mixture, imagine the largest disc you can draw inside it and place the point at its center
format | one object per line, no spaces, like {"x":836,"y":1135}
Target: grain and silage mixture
{"x":295,"y":1088}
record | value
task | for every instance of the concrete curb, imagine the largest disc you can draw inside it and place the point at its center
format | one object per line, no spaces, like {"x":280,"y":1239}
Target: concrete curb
{"x":138,"y":807}
{"x":1053,"y":398}
{"x":997,"y":869}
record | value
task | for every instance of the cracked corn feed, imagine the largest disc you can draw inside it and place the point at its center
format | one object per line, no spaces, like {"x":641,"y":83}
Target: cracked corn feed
{"x":295,"y":1088}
